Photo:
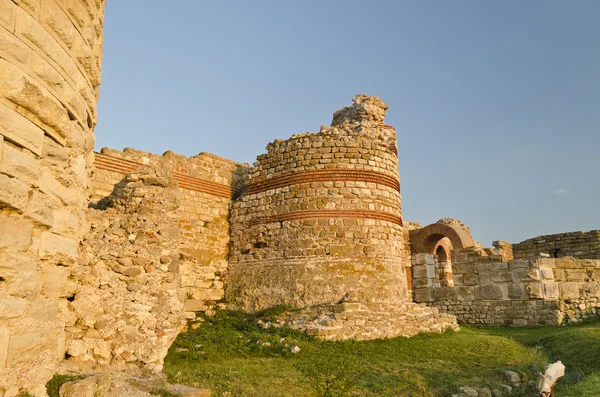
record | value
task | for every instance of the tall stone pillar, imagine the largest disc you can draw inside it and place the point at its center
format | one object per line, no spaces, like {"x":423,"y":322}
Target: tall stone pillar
{"x":50,"y":61}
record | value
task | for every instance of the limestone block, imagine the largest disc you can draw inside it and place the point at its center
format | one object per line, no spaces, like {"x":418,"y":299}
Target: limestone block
{"x":65,"y":223}
{"x":39,"y":210}
{"x":19,"y":164}
{"x":92,"y":386}
{"x":535,"y":291}
{"x":15,"y":232}
{"x":53,"y":244}
{"x":4,"y":339}
{"x":488,"y":292}
{"x":20,"y":275}
{"x":546,"y":273}
{"x":470,"y":279}
{"x":569,"y":290}
{"x":10,"y":308}
{"x":8,"y":14}
{"x":424,"y":271}
{"x":445,"y":293}
{"x":13,"y":192}
{"x":43,"y":310}
{"x":29,"y":345}
{"x":19,"y":130}
{"x":22,"y":90}
{"x":551,"y":290}
{"x":519,"y":264}
{"x":516,"y":291}
{"x":423,"y":294}
{"x":50,"y":185}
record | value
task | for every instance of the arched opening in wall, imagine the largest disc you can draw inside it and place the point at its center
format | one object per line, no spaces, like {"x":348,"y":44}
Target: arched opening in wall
{"x":442,"y":252}
{"x":441,"y":246}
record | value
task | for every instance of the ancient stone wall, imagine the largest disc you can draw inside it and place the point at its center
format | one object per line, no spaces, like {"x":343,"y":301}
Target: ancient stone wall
{"x":207,"y":183}
{"x":584,"y":245}
{"x":50,"y":61}
{"x":321,"y":217}
{"x":491,"y":289}
{"x":126,"y":309}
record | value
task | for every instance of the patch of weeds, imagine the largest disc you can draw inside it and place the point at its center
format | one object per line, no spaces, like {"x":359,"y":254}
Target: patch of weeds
{"x":330,"y":376}
{"x":54,"y":384}
{"x":25,"y":394}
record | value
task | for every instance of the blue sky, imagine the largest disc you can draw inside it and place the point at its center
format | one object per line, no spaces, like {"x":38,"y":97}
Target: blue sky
{"x":496,"y":104}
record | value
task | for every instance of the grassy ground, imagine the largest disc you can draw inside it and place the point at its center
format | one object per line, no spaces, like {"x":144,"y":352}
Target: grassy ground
{"x":233,"y":356}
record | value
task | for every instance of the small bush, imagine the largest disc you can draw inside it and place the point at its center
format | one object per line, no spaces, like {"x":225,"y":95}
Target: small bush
{"x":54,"y":384}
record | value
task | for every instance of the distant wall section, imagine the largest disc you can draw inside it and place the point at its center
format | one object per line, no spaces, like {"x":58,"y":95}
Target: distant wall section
{"x":207,"y":185}
{"x":583,"y":245}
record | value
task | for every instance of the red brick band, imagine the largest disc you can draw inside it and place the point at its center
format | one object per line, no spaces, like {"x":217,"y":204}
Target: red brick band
{"x":123,"y":166}
{"x":330,"y":214}
{"x":330,"y":175}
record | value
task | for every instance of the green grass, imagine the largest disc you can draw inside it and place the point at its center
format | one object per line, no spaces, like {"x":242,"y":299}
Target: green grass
{"x":577,"y":346}
{"x":231,"y":353}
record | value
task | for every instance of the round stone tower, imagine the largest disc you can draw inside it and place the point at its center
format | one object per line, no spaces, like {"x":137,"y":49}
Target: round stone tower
{"x":321,"y":217}
{"x":50,"y":60}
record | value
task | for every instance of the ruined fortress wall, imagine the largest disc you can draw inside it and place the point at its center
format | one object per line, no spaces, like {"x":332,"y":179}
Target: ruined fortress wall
{"x":578,"y":282}
{"x":50,"y":60}
{"x":207,"y":184}
{"x":584,"y":245}
{"x":321,"y":218}
{"x":493,"y":291}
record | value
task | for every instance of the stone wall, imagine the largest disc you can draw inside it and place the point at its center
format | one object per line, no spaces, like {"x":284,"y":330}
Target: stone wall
{"x":50,"y":60}
{"x":321,"y":217}
{"x":584,"y":245}
{"x":491,"y":289}
{"x":207,"y":183}
{"x":126,"y":310}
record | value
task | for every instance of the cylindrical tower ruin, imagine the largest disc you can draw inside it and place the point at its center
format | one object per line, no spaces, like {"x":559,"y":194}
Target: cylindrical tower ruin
{"x":321,"y":217}
{"x":50,"y":60}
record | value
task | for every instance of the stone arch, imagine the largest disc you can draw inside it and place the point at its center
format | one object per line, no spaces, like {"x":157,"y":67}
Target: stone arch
{"x":427,"y":239}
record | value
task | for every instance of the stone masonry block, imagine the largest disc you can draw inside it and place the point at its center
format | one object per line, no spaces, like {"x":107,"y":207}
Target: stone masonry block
{"x":19,"y":164}
{"x":15,"y":232}
{"x":52,"y":244}
{"x":423,"y":295}
{"x":29,"y":345}
{"x":20,"y":275}
{"x":535,"y":291}
{"x":4,"y":339}
{"x":21,"y":131}
{"x":516,"y":291}
{"x":546,"y":273}
{"x":569,"y":290}
{"x":470,"y":279}
{"x":54,"y":280}
{"x":488,"y":292}
{"x":8,"y":14}
{"x":43,"y":310}
{"x":445,"y":293}
{"x":11,"y":308}
{"x":26,"y":92}
{"x":551,"y":290}
{"x":38,"y":209}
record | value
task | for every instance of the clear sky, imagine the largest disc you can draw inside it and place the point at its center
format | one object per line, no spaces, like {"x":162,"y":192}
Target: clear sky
{"x":496,"y":103}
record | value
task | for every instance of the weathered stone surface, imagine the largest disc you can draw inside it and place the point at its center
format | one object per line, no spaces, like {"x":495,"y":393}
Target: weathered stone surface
{"x":16,"y":232}
{"x":92,"y":386}
{"x":489,"y":291}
